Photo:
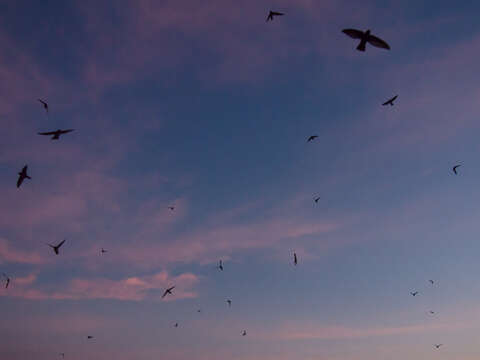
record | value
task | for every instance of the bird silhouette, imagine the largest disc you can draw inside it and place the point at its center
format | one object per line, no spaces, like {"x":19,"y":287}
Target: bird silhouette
{"x":313,"y":137}
{"x":295,"y":260}
{"x":455,"y":169}
{"x":199,"y":311}
{"x":168,"y":291}
{"x":45,"y":105}
{"x":272,"y":14}
{"x":244,"y":333}
{"x":316,"y":199}
{"x":56,"y":134}
{"x":103,"y":251}
{"x":438,"y":345}
{"x":171,"y":208}
{"x":220,"y":265}
{"x":176,"y":325}
{"x":431,"y":282}
{"x":390,"y":101}
{"x":56,"y":248}
{"x":7,"y":280}
{"x":414,"y":293}
{"x":229,"y":302}
{"x":364,"y":38}
{"x":89,"y":337}
{"x":431,"y":312}
{"x":22,"y":175}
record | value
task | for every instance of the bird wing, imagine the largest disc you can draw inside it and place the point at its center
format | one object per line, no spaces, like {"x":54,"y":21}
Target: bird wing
{"x":43,"y":102}
{"x":277,"y":13}
{"x":20,"y":180}
{"x":353,"y":33}
{"x":375,"y":41}
{"x":66,"y":131}
{"x":164,"y":294}
{"x":61,"y":243}
{"x":24,"y":170}
{"x":47,"y":133}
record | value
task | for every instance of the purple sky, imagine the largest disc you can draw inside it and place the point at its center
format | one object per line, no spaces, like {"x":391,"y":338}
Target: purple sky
{"x":206,"y":107}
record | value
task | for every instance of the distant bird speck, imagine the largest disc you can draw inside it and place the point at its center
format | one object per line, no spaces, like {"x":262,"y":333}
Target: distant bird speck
{"x":414,"y":293}
{"x":455,"y":169}
{"x":316,"y":199}
{"x":45,"y":105}
{"x":103,"y":251}
{"x":7,"y":280}
{"x":229,"y":302}
{"x":272,"y":14}
{"x":313,"y":137}
{"x":431,"y":282}
{"x":171,"y":208}
{"x":89,"y":337}
{"x":22,"y":175}
{"x":390,"y":101}
{"x":168,"y":291}
{"x":56,"y":248}
{"x":438,"y":345}
{"x":176,"y":325}
{"x":364,"y":38}
{"x":295,"y":260}
{"x":244,"y":333}
{"x":56,"y":134}
{"x":220,"y":265}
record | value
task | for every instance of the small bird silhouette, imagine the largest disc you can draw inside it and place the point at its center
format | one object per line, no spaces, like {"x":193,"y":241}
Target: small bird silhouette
{"x":45,"y":105}
{"x":414,"y":293}
{"x":171,"y":208}
{"x":168,"y":291}
{"x":313,"y":137}
{"x":57,"y":247}
{"x":364,"y":38}
{"x":295,"y":260}
{"x":7,"y":280}
{"x":220,"y":265}
{"x":438,"y":346}
{"x":89,"y":337}
{"x":390,"y":102}
{"x":316,"y":199}
{"x":56,"y":134}
{"x":229,"y":302}
{"x":455,"y":169}
{"x":176,"y":325}
{"x":103,"y":251}
{"x":199,"y":311}
{"x":22,"y":175}
{"x":271,"y":14}
{"x":431,"y":312}
{"x":431,"y":282}
{"x":244,"y":333}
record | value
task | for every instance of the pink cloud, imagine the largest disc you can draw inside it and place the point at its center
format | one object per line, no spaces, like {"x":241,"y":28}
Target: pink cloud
{"x":10,"y":255}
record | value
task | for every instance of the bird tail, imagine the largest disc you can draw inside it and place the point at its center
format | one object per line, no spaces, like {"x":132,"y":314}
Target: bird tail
{"x":361,"y":46}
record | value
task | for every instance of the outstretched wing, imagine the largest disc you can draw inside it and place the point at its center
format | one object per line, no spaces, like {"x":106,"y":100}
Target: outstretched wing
{"x":47,"y":133}
{"x":20,"y":180}
{"x":353,"y":33}
{"x":58,"y":246}
{"x":66,"y":131}
{"x":277,"y":13}
{"x":375,"y":41}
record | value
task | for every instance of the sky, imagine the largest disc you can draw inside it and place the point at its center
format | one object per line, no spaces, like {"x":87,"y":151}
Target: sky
{"x":204,"y":106}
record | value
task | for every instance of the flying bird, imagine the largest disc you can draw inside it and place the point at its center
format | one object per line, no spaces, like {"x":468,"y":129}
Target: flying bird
{"x":390,"y":101}
{"x":229,"y":302}
{"x":313,"y":137}
{"x":364,"y":38}
{"x":22,"y":175}
{"x":103,"y":251}
{"x":57,"y":247}
{"x":199,"y":311}
{"x":220,"y":265}
{"x":244,"y":333}
{"x":431,"y":282}
{"x":431,"y":312}
{"x":171,"y":208}
{"x":414,"y":293}
{"x":89,"y":337}
{"x":316,"y":199}
{"x":271,"y":14}
{"x":176,"y":325}
{"x":45,"y":105}
{"x":455,"y":168}
{"x":56,"y":134}
{"x":168,"y":291}
{"x":438,"y":346}
{"x":295,"y":261}
{"x":7,"y":280}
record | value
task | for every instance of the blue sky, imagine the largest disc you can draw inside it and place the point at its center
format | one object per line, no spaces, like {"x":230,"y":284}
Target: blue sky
{"x":207,"y":108}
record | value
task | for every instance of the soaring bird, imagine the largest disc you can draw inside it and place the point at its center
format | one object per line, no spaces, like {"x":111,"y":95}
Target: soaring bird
{"x":22,"y":175}
{"x":7,"y":280}
{"x":271,"y":14}
{"x":455,"y":168}
{"x":220,"y":265}
{"x":244,"y":333}
{"x":438,"y":345}
{"x":229,"y":302}
{"x":56,"y":134}
{"x":313,"y":137}
{"x":168,"y":291}
{"x":45,"y":105}
{"x":316,"y":199}
{"x":103,"y":251}
{"x":57,"y":247}
{"x":295,"y":260}
{"x":390,"y":101}
{"x":414,"y":293}
{"x":364,"y":38}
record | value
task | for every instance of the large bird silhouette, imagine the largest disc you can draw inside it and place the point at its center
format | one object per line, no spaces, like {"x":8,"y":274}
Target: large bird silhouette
{"x":364,"y":38}
{"x":56,"y":248}
{"x":22,"y":175}
{"x":45,"y":105}
{"x":56,"y":134}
